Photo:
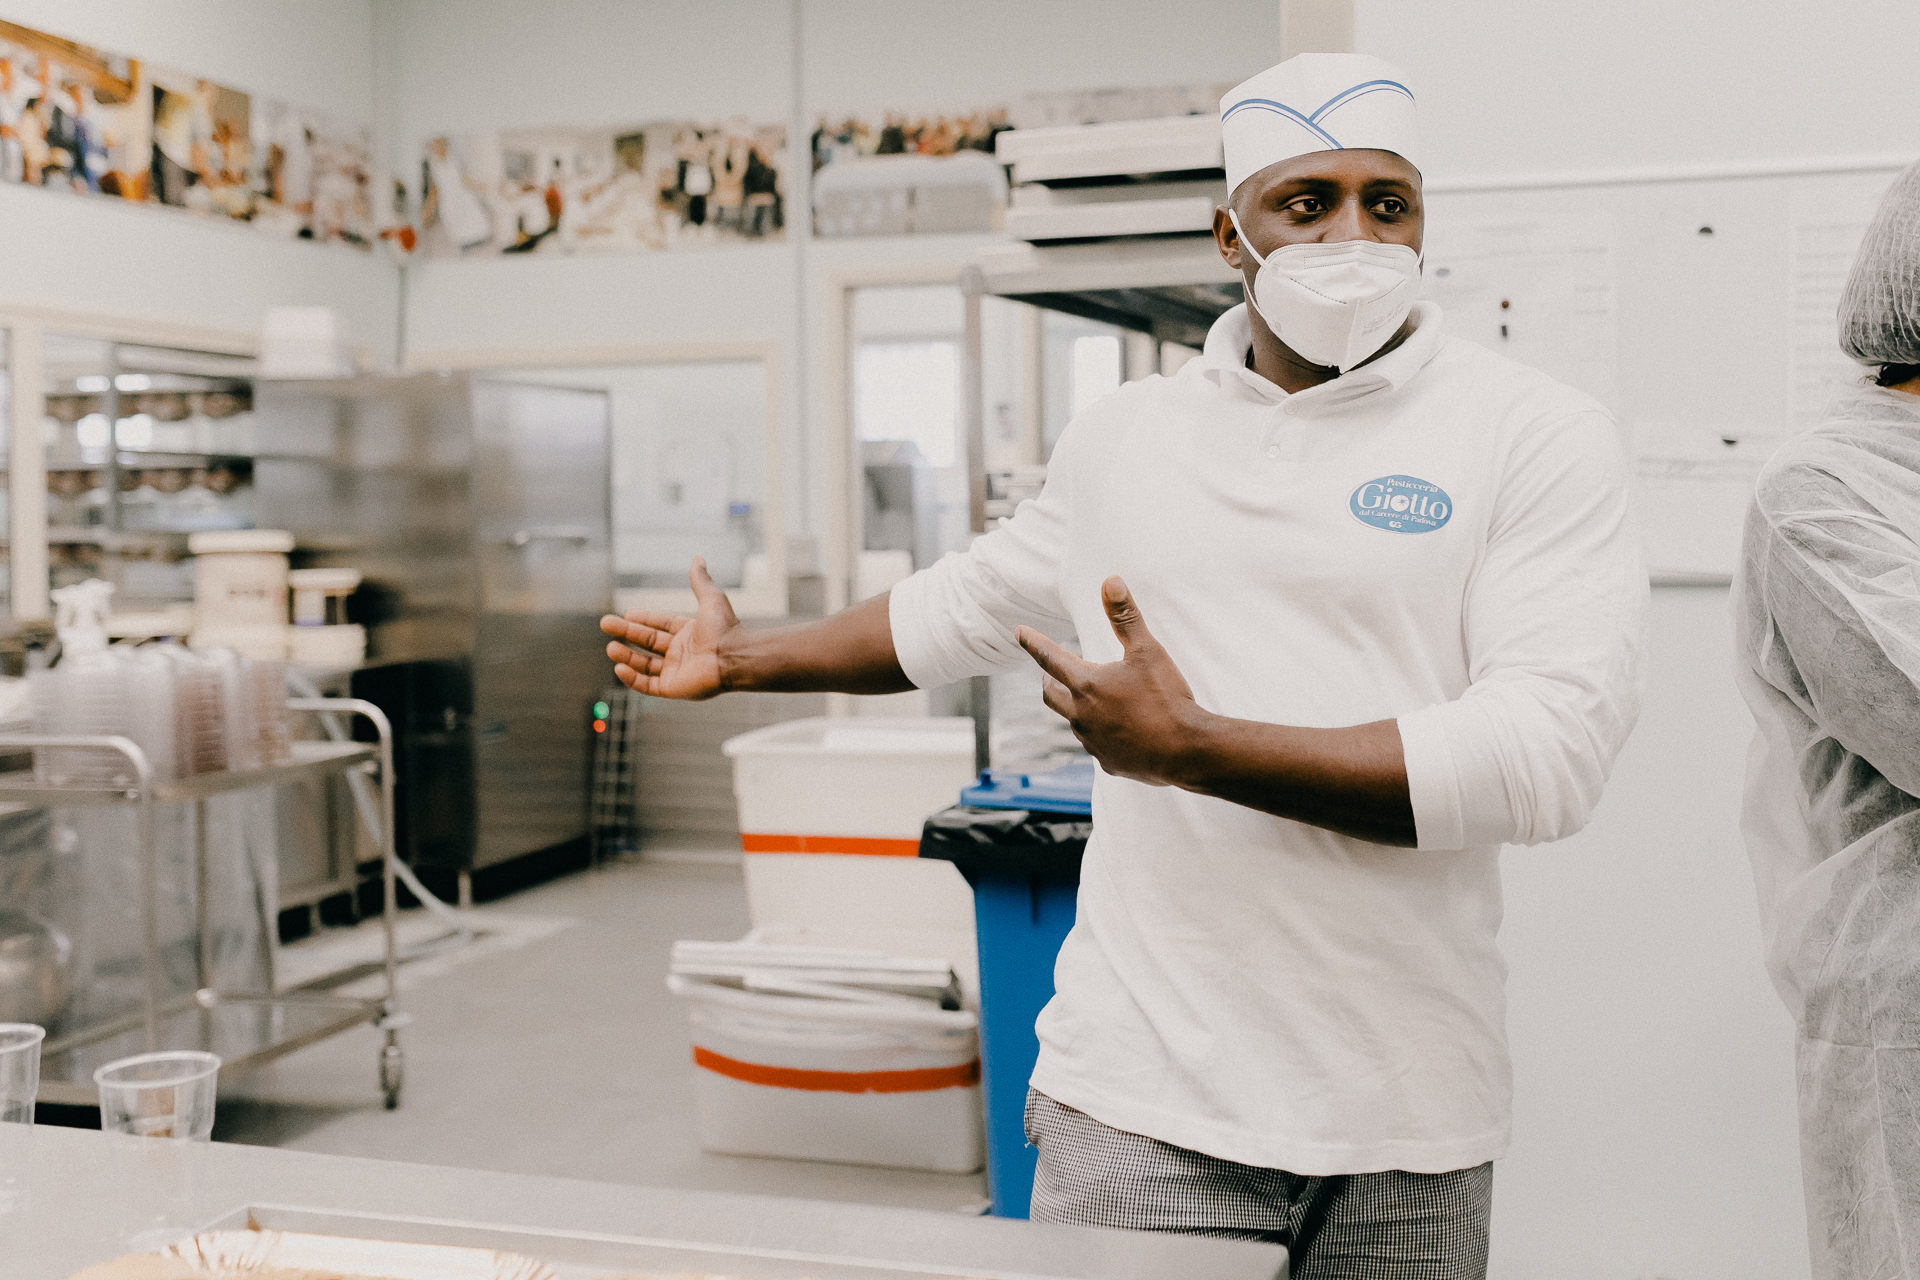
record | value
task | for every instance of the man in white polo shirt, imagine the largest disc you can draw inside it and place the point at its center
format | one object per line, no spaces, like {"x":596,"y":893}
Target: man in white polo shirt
{"x":1358,"y":603}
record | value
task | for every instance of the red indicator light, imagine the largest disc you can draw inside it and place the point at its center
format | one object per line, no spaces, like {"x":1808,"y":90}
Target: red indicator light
{"x":599,"y":726}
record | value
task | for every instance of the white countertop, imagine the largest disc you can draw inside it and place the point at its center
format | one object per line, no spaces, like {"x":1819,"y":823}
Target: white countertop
{"x":70,"y":1198}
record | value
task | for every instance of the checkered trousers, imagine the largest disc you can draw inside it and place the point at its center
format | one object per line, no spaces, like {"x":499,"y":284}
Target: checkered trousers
{"x":1364,"y":1226}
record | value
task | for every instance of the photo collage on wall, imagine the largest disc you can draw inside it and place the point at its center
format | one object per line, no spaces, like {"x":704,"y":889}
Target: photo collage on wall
{"x":667,"y":185}
{"x":908,"y":172}
{"x":920,"y":172}
{"x":77,"y":119}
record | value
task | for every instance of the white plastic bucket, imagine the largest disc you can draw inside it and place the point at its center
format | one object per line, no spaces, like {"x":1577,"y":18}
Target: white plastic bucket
{"x":830,"y":816}
{"x":810,"y":1079}
{"x":240,"y":578}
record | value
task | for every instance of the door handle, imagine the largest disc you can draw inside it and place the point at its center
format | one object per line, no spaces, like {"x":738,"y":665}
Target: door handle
{"x":550,"y":533}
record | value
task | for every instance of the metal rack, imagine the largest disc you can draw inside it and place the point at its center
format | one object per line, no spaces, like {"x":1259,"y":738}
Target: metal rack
{"x":1171,"y":288}
{"x":244,"y":1030}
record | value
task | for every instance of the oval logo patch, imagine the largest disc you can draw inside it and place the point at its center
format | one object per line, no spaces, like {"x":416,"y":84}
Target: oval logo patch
{"x":1401,"y":504}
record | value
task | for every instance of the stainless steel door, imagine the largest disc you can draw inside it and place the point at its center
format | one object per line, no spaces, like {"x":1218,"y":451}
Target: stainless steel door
{"x":542,"y":535}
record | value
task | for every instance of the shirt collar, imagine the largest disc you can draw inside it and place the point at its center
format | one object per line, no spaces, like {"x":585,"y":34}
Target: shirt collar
{"x":1224,"y":360}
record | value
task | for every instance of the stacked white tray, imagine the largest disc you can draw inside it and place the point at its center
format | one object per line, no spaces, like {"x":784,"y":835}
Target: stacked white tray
{"x":1127,"y":178}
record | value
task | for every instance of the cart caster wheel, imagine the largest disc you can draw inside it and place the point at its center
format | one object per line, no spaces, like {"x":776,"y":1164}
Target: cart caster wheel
{"x":392,"y":1073}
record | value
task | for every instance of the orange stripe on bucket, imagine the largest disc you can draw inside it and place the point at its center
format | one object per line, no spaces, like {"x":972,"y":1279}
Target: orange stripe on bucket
{"x":751,"y":842}
{"x":917,"y":1080}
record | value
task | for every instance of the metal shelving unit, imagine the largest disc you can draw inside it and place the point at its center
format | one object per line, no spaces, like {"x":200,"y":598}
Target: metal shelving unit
{"x":1171,"y":288}
{"x":246,"y":1029}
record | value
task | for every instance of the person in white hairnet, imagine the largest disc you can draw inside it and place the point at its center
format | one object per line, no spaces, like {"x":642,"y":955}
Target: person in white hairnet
{"x":1358,"y":603}
{"x":1828,"y":616}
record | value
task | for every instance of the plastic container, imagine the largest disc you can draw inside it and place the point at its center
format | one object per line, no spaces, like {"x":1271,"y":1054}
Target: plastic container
{"x":321,"y":635}
{"x":19,"y":1070}
{"x":254,"y":704}
{"x":894,"y":1083}
{"x":123,"y":693}
{"x":240,"y":590}
{"x":1018,"y":840}
{"x":159,"y":1095}
{"x":320,"y":595}
{"x":332,"y":648}
{"x":1067,"y":789}
{"x":830,"y":816}
{"x":99,"y":690}
{"x":79,"y":696}
{"x":189,"y":712}
{"x":199,"y":711}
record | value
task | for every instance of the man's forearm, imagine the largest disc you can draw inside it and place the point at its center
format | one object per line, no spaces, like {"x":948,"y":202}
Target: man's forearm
{"x":1351,"y":780}
{"x":851,"y":652}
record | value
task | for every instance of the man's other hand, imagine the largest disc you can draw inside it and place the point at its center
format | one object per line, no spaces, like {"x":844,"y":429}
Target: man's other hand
{"x":1136,"y":716}
{"x":672,"y":656}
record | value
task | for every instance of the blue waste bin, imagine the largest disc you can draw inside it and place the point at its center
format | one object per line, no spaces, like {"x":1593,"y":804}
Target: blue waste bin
{"x":1018,"y":839}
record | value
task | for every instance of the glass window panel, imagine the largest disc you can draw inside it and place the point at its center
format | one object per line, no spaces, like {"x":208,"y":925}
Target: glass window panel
{"x":1073,"y":375}
{"x":909,"y":391}
{"x":689,"y":467}
{"x":904,"y":377}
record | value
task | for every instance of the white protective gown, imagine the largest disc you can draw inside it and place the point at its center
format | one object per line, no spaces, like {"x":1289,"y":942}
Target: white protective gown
{"x":1828,"y":618}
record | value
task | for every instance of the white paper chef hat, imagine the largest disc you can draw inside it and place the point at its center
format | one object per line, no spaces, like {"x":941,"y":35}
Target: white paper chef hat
{"x":1316,"y":102}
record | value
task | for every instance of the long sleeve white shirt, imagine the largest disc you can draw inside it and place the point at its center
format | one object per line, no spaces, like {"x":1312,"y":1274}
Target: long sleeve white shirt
{"x":1440,"y":537}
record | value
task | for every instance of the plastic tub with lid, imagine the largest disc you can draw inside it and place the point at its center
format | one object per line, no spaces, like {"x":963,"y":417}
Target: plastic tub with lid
{"x":240,"y":590}
{"x":830,"y":816}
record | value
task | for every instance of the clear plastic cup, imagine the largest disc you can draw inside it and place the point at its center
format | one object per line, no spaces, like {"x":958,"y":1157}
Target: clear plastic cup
{"x":159,"y":1095}
{"x":19,"y":1070}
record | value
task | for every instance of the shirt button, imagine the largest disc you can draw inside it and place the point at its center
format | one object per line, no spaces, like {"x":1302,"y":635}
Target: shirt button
{"x":1273,"y":451}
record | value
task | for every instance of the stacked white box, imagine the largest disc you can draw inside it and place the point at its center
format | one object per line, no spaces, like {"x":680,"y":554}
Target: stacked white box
{"x":1175,"y":144}
{"x":830,"y":1054}
{"x":1126,"y":178}
{"x":830,"y":817}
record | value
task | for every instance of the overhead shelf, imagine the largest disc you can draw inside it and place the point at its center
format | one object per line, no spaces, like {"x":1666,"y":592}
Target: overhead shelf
{"x":1173,"y":287}
{"x":166,"y":541}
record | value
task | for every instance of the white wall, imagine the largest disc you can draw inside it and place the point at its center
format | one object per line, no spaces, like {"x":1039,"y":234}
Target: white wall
{"x":466,"y":66}
{"x":103,"y":256}
{"x":1515,"y":88}
{"x":1655,"y":1123}
{"x":1653,"y":1064}
{"x":878,"y":54}
{"x":587,"y":62}
{"x":317,"y":53}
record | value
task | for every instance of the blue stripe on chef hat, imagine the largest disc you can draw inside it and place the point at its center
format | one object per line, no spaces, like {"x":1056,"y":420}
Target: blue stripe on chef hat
{"x":1316,"y":102}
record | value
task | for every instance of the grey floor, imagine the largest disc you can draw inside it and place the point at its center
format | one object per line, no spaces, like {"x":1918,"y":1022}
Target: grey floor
{"x":565,"y":1057}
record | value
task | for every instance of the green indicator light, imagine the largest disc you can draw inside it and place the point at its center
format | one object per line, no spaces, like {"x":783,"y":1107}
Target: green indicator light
{"x":599,"y":711}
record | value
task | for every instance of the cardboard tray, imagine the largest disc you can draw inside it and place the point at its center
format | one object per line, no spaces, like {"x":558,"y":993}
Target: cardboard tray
{"x":588,"y":1256}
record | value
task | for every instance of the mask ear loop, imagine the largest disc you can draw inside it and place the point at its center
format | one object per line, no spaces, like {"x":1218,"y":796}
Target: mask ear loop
{"x":1257,"y":260}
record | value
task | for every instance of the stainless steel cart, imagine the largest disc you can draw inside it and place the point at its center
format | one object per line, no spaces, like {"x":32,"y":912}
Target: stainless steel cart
{"x":245,"y":1030}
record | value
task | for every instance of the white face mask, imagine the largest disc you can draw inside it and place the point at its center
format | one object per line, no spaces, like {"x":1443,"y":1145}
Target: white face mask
{"x":1334,"y":304}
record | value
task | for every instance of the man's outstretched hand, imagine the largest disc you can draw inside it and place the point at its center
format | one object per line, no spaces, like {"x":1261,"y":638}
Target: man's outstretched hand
{"x":670,"y":655}
{"x":1137,"y":716}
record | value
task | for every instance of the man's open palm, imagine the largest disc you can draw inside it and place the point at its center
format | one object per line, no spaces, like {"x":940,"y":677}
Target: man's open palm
{"x":670,"y":655}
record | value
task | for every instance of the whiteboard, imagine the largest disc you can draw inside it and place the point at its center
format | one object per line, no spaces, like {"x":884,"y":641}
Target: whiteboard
{"x":1701,"y":311}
